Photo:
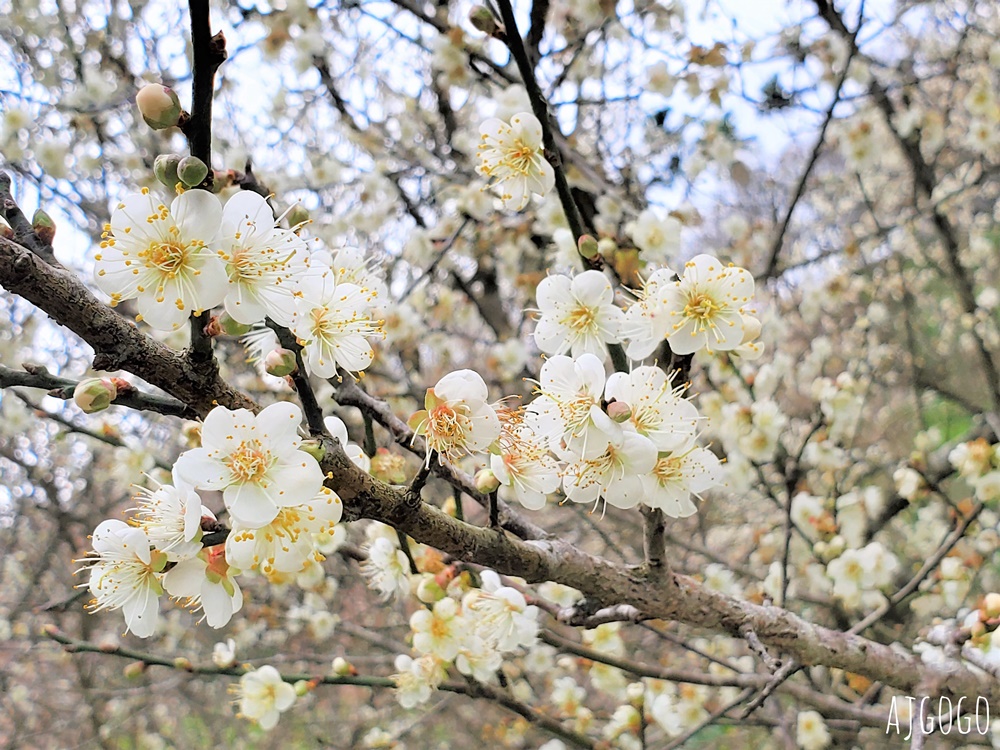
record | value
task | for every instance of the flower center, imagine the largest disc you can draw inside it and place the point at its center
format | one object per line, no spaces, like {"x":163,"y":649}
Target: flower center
{"x":581,"y":318}
{"x":446,"y":423}
{"x":520,"y":157}
{"x":702,"y":307}
{"x":667,"y":470}
{"x":249,"y":462}
{"x":166,"y":257}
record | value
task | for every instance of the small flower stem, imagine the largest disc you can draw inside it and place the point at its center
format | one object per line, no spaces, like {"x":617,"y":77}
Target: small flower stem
{"x":494,"y":512}
{"x":404,"y":545}
{"x":310,"y":406}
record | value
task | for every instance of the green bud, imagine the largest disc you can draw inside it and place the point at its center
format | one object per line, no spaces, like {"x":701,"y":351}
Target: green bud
{"x":607,"y":247}
{"x":44,"y":227}
{"x":158,"y":105}
{"x":182,"y":662}
{"x":342,"y":667}
{"x":94,"y":394}
{"x":482,"y":19}
{"x":165,"y":169}
{"x":302,"y":688}
{"x":134,"y":670}
{"x":486,"y":481}
{"x":314,"y":448}
{"x":429,"y":590}
{"x":588,"y":247}
{"x":280,"y":362}
{"x":192,"y":171}
{"x":232,"y":327}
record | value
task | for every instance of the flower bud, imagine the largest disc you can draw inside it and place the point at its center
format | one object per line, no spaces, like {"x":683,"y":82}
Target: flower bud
{"x":486,"y":481}
{"x":280,"y":362}
{"x":44,"y":227}
{"x":165,"y":169}
{"x":192,"y":171}
{"x":428,"y":590}
{"x":589,"y":247}
{"x":182,"y":662}
{"x":232,"y":327}
{"x":297,"y":215}
{"x":607,"y":246}
{"x":991,"y":604}
{"x":619,"y":411}
{"x":482,"y":19}
{"x":5,"y":231}
{"x":158,"y":105}
{"x":314,"y":448}
{"x":343,"y":668}
{"x":94,"y":394}
{"x":302,"y":688}
{"x":134,"y":670}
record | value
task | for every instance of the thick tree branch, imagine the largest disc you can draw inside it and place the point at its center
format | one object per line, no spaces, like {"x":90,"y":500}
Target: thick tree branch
{"x":117,"y":343}
{"x":608,"y":584}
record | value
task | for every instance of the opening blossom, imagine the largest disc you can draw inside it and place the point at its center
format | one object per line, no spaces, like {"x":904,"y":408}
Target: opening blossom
{"x":264,"y":695}
{"x":162,"y":257}
{"x":578,"y":315}
{"x":511,"y":156}
{"x":706,"y":306}
{"x":333,"y":321}
{"x":456,"y":420}
{"x":126,"y":575}
{"x":254,"y":461}
{"x":262,"y":261}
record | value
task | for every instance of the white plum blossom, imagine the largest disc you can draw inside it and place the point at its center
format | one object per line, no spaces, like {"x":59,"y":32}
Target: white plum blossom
{"x":500,"y":614}
{"x":659,"y":238}
{"x":614,"y":475}
{"x":578,"y":315}
{"x":285,"y":545}
{"x":254,"y":461}
{"x":677,"y":476}
{"x":387,"y":569}
{"x":126,"y":574}
{"x":810,"y":731}
{"x":440,"y":631}
{"x":706,"y":306}
{"x":456,"y":420}
{"x":263,"y":262}
{"x":224,"y":654}
{"x":206,"y":582}
{"x":658,"y":409}
{"x":333,"y":322}
{"x":263,"y":695}
{"x":523,"y":466}
{"x":479,"y":658}
{"x":171,"y":518}
{"x":416,"y":678}
{"x":163,"y":257}
{"x":511,"y":157}
{"x":647,"y":322}
{"x":568,"y":412}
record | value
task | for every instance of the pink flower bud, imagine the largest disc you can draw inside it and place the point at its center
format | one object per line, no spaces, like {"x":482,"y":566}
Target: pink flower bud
{"x":94,"y":394}
{"x":619,"y":411}
{"x":280,"y":362}
{"x":158,"y":105}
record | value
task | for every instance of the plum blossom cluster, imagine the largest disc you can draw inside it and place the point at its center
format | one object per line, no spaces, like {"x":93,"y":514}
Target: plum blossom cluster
{"x":195,"y":254}
{"x":280,"y":515}
{"x":471,"y":629}
{"x":707,"y":307}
